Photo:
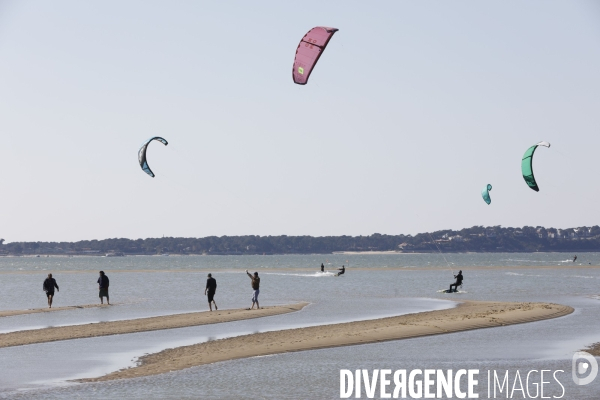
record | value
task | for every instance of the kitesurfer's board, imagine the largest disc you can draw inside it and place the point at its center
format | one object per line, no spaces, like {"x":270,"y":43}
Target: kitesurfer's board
{"x":446,"y":291}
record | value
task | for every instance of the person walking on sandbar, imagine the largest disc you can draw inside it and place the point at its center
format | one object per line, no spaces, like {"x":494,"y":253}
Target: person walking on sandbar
{"x":211,"y":288}
{"x":255,"y":285}
{"x":103,"y":287}
{"x":48,"y":286}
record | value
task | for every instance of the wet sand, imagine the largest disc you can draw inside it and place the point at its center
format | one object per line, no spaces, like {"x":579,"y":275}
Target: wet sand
{"x":44,"y":335}
{"x":10,"y":313}
{"x":468,"y":315}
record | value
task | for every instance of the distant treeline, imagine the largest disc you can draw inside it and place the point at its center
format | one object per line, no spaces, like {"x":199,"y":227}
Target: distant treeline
{"x":475,"y":239}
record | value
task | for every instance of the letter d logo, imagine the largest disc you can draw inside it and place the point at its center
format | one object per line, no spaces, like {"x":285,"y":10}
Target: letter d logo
{"x":581,"y":368}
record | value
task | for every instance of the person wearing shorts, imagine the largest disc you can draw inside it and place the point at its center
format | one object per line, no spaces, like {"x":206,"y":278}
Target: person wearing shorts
{"x":103,"y":283}
{"x":48,"y":287}
{"x":255,"y":282}
{"x":211,"y":289}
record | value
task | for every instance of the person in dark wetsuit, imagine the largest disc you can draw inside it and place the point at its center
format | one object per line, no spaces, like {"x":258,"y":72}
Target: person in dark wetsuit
{"x":103,"y":284}
{"x":211,"y":288}
{"x":574,"y":258}
{"x":342,"y":270}
{"x":459,"y":279}
{"x":48,"y":287}
{"x":322,"y":268}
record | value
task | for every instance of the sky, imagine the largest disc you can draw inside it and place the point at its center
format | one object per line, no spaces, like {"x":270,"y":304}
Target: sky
{"x":412,"y":109}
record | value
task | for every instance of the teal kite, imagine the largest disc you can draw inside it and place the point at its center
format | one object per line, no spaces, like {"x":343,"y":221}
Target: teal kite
{"x":527,"y":165}
{"x":485,"y":193}
{"x":142,"y":154}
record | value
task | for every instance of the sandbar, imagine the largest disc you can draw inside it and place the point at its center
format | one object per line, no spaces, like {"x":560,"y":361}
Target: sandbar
{"x":466,"y":316}
{"x":594,"y":349}
{"x":11,"y":313}
{"x":53,"y":334}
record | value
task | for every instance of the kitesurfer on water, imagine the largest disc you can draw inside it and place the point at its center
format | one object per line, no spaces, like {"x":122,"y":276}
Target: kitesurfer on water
{"x":459,"y":279}
{"x":342,"y":270}
{"x":574,"y":258}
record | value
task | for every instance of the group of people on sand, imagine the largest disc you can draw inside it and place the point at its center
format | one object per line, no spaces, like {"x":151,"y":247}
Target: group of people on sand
{"x":342,"y":270}
{"x":50,"y":284}
{"x":103,"y":282}
{"x":211,"y":289}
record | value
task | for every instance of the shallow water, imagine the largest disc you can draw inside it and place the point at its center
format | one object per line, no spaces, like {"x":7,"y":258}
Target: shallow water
{"x":331,"y":261}
{"x":177,"y":285}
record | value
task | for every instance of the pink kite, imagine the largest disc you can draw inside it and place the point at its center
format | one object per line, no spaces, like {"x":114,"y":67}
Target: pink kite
{"x":308,"y":52}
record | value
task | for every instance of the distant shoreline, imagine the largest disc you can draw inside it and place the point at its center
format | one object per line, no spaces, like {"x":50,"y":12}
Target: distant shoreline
{"x":476,"y":239}
{"x":384,"y":252}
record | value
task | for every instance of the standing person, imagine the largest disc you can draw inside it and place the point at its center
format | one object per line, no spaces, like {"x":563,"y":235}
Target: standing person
{"x":322,"y":268}
{"x":211,"y":288}
{"x":342,"y":270}
{"x":103,"y":286}
{"x":48,"y":287}
{"x":459,"y":279}
{"x":255,"y":285}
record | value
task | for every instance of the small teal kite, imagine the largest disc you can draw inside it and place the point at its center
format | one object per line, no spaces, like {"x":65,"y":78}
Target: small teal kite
{"x":485,"y":193}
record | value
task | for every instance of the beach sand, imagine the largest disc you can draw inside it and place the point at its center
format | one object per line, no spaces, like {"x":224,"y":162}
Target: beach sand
{"x":466,"y":316}
{"x":11,"y":313}
{"x":44,"y":335}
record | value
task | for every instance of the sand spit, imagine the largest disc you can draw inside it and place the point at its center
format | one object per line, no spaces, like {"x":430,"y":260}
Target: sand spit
{"x":594,"y":349}
{"x":140,"y":325}
{"x":11,"y":313}
{"x":468,"y":315}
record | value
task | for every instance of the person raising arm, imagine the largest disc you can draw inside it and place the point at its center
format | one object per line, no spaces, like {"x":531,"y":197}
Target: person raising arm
{"x":255,"y":282}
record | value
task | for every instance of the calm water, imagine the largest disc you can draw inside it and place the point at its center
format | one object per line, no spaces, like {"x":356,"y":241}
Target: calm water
{"x":374,"y":286}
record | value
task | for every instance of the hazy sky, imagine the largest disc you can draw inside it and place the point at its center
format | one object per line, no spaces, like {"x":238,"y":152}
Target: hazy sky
{"x":413,"y":108}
